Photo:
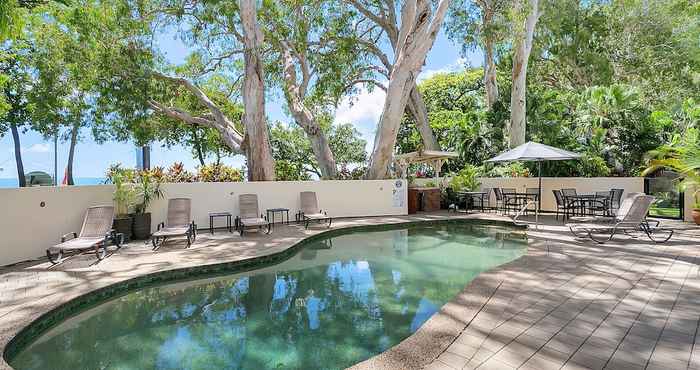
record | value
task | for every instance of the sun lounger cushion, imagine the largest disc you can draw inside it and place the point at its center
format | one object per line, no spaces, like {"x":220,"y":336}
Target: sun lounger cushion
{"x":254,"y":222}
{"x":172,"y":231}
{"x":79,"y":243}
{"x":315,"y":216}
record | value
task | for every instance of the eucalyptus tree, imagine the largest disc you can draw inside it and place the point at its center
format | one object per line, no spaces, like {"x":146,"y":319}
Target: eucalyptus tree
{"x":223,"y":33}
{"x":420,"y":22}
{"x":480,"y":23}
{"x":525,"y":15}
{"x":382,"y":16}
{"x":312,"y":41}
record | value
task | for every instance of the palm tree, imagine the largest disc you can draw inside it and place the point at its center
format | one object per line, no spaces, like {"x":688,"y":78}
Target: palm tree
{"x":683,"y":156}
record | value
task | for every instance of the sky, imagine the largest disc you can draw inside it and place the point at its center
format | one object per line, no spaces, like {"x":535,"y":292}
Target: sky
{"x":92,"y":159}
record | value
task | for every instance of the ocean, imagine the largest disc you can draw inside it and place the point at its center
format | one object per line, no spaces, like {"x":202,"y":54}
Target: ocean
{"x":12,"y":183}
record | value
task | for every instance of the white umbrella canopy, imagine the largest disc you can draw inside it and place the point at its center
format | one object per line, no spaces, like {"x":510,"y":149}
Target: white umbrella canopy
{"x":535,"y":152}
{"x":532,"y":151}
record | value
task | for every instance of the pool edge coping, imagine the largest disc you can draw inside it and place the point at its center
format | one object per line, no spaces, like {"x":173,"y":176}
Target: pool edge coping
{"x":65,"y":309}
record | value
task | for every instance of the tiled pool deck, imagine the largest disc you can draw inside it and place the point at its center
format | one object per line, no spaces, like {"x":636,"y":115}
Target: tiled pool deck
{"x":566,"y":304}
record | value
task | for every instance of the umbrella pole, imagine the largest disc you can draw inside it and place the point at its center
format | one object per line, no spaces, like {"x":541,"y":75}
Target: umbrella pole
{"x":539,"y":195}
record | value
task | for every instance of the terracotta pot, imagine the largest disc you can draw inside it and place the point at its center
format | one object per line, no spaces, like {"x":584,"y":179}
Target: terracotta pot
{"x":696,"y":216}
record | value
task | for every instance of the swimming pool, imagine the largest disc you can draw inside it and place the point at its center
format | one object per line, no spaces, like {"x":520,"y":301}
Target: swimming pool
{"x":337,"y":301}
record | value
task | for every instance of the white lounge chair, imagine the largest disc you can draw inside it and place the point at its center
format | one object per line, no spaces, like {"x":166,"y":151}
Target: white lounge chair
{"x":310,"y":210}
{"x":178,"y":223}
{"x":94,"y":234}
{"x":249,"y":211}
{"x":631,"y":217}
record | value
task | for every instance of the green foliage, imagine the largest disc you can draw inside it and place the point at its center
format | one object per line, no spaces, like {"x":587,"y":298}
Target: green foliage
{"x":125,"y":191}
{"x":681,"y":155}
{"x":291,"y":147}
{"x":466,"y":179}
{"x":514,"y":169}
{"x":219,"y":173}
{"x":148,"y":189}
{"x":177,"y":173}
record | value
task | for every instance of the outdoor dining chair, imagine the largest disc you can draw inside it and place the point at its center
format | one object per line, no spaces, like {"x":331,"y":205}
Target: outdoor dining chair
{"x":563,"y":207}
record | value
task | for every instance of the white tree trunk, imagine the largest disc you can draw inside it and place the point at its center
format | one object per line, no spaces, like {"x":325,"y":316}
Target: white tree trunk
{"x":415,"y":39}
{"x":490,"y":84}
{"x":304,"y":117}
{"x":419,"y":112}
{"x":261,"y":166}
{"x":523,"y":46}
{"x":416,"y":105}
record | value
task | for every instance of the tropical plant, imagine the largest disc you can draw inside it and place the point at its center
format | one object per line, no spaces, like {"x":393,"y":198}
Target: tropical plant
{"x":178,"y":173}
{"x":219,"y":173}
{"x":515,"y":169}
{"x":147,"y":189}
{"x":466,"y":179}
{"x":125,"y":192}
{"x":682,"y":155}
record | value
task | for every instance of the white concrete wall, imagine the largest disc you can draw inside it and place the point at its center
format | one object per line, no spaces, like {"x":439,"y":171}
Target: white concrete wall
{"x":583,"y":185}
{"x":27,"y":229}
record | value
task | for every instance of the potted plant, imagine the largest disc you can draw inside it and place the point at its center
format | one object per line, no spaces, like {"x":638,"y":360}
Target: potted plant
{"x":124,"y":198}
{"x":683,"y":157}
{"x":147,"y":190}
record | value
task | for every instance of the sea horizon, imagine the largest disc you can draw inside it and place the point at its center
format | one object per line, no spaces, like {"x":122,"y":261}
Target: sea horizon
{"x":13,"y":183}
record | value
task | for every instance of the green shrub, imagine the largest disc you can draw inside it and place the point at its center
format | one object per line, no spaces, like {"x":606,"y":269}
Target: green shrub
{"x":466,"y":179}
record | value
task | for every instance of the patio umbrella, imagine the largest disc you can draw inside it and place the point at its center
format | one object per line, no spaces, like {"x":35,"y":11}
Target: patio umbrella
{"x":535,"y":152}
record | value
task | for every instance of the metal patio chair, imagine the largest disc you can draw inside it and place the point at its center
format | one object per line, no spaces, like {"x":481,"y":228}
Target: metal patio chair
{"x":178,"y":223}
{"x":310,"y":210}
{"x":94,"y":235}
{"x":250,"y":216}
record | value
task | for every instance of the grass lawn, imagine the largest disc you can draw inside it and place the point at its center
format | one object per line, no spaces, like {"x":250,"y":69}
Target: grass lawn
{"x":665,"y":212}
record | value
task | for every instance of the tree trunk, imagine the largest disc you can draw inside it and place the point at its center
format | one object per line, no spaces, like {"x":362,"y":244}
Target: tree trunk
{"x":416,"y":38}
{"x":304,"y":117}
{"x":261,"y":166}
{"x":523,"y":46}
{"x":397,"y":94}
{"x":71,"y":153}
{"x":18,"y":156}
{"x":197,"y":147}
{"x":490,"y":83}
{"x":416,"y":106}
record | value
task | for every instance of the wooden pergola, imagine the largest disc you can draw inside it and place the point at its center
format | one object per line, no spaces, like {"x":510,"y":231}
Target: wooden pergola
{"x":433,"y":158}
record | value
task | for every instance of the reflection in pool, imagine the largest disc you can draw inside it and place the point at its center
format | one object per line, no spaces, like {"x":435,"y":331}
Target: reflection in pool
{"x":335,"y":303}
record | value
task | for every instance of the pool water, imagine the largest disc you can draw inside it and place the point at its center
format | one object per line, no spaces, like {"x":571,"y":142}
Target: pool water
{"x":337,"y":302}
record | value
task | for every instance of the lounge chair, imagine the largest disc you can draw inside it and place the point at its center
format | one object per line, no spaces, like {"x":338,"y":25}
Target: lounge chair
{"x":310,"y":211}
{"x":94,"y":235}
{"x":178,"y":223}
{"x":634,"y":210}
{"x":249,"y":211}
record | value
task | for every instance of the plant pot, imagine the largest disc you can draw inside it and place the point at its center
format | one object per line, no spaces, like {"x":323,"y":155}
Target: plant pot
{"x":123,"y":225}
{"x":696,"y":216}
{"x":142,"y":225}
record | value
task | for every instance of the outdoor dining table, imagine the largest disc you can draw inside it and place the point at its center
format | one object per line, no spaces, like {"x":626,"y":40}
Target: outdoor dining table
{"x":518,"y":199}
{"x":469,"y":198}
{"x":587,"y":203}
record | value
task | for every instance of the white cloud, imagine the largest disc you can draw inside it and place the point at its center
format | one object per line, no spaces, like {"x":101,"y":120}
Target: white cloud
{"x":36,"y":148}
{"x":459,"y":64}
{"x":363,"y":108}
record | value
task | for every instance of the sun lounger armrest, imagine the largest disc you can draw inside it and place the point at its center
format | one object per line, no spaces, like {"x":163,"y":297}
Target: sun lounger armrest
{"x":65,"y":237}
